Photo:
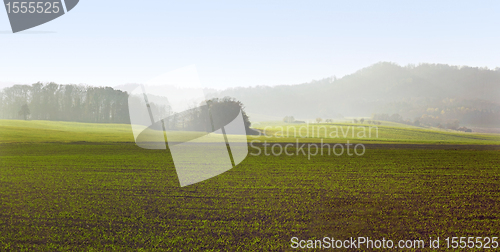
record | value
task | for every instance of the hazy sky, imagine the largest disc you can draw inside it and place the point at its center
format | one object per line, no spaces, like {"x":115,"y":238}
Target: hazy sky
{"x":246,"y":43}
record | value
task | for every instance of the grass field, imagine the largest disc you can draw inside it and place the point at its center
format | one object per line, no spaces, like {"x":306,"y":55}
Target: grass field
{"x":388,"y":132}
{"x":87,"y":187}
{"x":16,"y":131}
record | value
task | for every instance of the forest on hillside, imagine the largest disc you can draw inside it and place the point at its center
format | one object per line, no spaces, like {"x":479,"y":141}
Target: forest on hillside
{"x":430,"y":93}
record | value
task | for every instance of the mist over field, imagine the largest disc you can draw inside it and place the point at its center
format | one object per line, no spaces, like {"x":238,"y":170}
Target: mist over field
{"x":436,"y":95}
{"x":431,"y":93}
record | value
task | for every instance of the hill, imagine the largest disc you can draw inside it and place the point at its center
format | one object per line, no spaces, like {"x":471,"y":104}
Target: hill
{"x":432,"y":93}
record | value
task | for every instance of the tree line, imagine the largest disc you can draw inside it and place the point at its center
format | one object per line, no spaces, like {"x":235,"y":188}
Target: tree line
{"x":80,"y":103}
{"x":56,"y":102}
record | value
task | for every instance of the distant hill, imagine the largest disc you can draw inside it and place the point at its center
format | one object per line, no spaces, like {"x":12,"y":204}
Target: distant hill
{"x":467,"y":94}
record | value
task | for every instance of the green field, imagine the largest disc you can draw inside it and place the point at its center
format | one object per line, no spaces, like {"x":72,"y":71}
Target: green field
{"x":70,"y":186}
{"x":388,"y":132}
{"x":17,"y":131}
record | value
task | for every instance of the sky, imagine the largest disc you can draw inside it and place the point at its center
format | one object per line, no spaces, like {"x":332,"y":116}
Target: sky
{"x":246,"y":43}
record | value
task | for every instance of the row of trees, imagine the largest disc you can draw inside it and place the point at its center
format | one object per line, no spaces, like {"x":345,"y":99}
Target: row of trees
{"x":362,"y":120}
{"x":64,"y":103}
{"x":106,"y":105}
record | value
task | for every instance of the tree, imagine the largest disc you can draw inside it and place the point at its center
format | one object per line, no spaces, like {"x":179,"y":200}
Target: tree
{"x":289,"y":119}
{"x":396,"y":118}
{"x":216,"y":114}
{"x":354,"y":121}
{"x":319,"y":119}
{"x":453,"y":125}
{"x":24,"y":111}
{"x":361,"y":120}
